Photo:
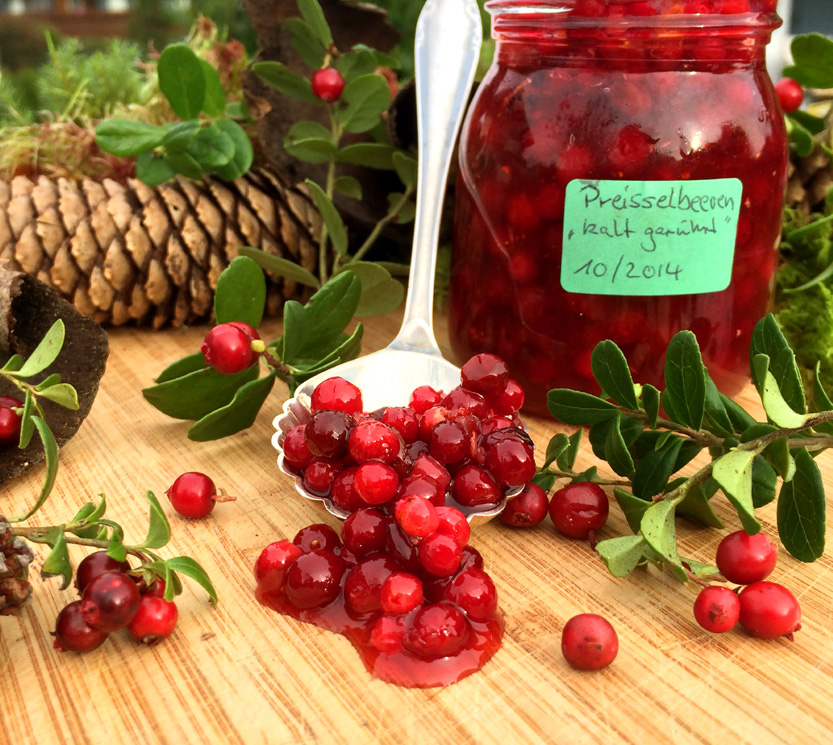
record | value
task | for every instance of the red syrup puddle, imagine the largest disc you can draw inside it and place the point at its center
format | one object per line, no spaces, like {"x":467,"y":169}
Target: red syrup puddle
{"x":401,"y":668}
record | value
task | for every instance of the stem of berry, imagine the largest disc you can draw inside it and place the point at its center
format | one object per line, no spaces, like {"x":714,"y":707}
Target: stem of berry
{"x":380,"y":226}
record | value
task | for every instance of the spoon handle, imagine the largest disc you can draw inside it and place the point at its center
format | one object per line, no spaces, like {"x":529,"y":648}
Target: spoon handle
{"x":446,"y":50}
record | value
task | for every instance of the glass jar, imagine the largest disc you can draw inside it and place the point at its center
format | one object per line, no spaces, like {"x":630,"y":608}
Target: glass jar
{"x":622,"y":170}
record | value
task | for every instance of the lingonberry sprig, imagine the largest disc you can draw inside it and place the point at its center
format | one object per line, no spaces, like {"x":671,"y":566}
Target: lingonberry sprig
{"x":747,"y":456}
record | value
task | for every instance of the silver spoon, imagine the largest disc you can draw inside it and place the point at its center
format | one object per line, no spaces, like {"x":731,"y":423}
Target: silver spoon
{"x":447,"y":49}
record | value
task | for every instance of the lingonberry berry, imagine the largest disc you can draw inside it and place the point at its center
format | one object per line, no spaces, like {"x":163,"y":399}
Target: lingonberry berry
{"x":416,"y":516}
{"x":427,"y":467}
{"x":494,"y":423}
{"x":317,"y":536}
{"x":155,"y":588}
{"x":363,"y":584}
{"x":508,"y":457}
{"x":94,"y":564}
{"x":529,"y":508}
{"x":440,"y":554}
{"x":401,"y":592}
{"x":473,"y":486}
{"x":421,"y":486}
{"x":110,"y":601}
{"x":744,"y":559}
{"x":320,"y":474}
{"x":403,"y":549}
{"x":404,"y":420}
{"x":10,"y":421}
{"x":510,"y":400}
{"x":228,"y":348}
{"x":375,"y":482}
{"x":429,"y":419}
{"x":717,"y":609}
{"x":578,"y":509}
{"x":486,"y":374}
{"x":589,"y":642}
{"x":387,"y":632}
{"x":343,"y":492}
{"x":449,"y":442}
{"x":296,"y":452}
{"x":365,"y":532}
{"x":73,"y":634}
{"x":273,"y":563}
{"x":474,"y":592}
{"x":372,"y":440}
{"x":790,"y":94}
{"x":328,"y":431}
{"x":328,"y":84}
{"x":154,"y":621}
{"x":423,"y":398}
{"x":473,"y":403}
{"x":454,"y":523}
{"x":193,"y":495}
{"x":314,"y":579}
{"x":337,"y":394}
{"x":769,"y":610}
{"x":437,"y":630}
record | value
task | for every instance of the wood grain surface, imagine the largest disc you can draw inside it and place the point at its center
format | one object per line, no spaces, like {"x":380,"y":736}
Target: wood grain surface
{"x":239,"y":673}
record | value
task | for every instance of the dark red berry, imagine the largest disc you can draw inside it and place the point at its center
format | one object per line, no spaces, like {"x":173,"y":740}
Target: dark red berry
{"x":440,"y":554}
{"x":327,"y":433}
{"x":296,"y":452}
{"x":790,"y":94}
{"x":423,"y":398}
{"x":365,"y":532}
{"x":328,"y":84}
{"x":273,"y":563}
{"x":485,"y":374}
{"x":473,"y":486}
{"x":421,"y":486}
{"x":9,"y":426}
{"x":10,"y":402}
{"x":509,"y":459}
{"x":589,"y":642}
{"x":73,"y":634}
{"x":529,"y":508}
{"x":154,"y":621}
{"x":363,"y":584}
{"x":317,"y":536}
{"x":376,"y":483}
{"x":437,"y":630}
{"x":744,"y":559}
{"x":769,"y":610}
{"x":343,"y":492}
{"x":427,"y":467}
{"x":320,"y":474}
{"x":110,"y":601}
{"x":404,"y":420}
{"x":461,"y":398}
{"x":716,"y":609}
{"x":387,"y":632}
{"x":578,"y":509}
{"x":510,"y":400}
{"x":401,"y":592}
{"x":449,"y":442}
{"x":94,"y":564}
{"x":372,"y":440}
{"x":193,"y":495}
{"x":228,"y":349}
{"x":474,"y":592}
{"x":314,"y":579}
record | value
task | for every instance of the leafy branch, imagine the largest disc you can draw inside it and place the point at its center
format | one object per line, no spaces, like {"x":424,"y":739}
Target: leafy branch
{"x":647,"y":437}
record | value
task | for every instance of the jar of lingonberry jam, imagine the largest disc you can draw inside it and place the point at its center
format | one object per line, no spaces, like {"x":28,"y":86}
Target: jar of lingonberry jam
{"x":622,"y":170}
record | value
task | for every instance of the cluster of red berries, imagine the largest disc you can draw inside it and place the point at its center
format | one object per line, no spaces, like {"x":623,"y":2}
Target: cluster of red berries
{"x":112,"y":599}
{"x":194,"y":495}
{"x":406,"y":589}
{"x":465,"y":448}
{"x":231,"y":347}
{"x":764,"y":609}
{"x":9,"y":420}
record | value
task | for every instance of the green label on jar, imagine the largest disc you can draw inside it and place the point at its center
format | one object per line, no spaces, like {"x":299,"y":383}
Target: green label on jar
{"x":649,"y":237}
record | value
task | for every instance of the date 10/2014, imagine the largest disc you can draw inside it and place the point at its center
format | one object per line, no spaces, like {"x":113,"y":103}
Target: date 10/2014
{"x":625,"y":270}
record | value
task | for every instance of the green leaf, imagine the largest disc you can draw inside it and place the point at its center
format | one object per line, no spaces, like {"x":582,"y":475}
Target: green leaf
{"x":576,"y":407}
{"x":801,"y":510}
{"x":813,"y":124}
{"x":768,"y":339}
{"x":623,"y":554}
{"x":366,"y":97}
{"x":406,"y":169}
{"x":184,"y":164}
{"x":733,"y":472}
{"x":402,"y":207}
{"x":182,"y":80}
{"x":13,"y":364}
{"x":126,"y":138}
{"x":212,"y":147}
{"x":153,"y":169}
{"x":62,"y":394}
{"x":696,"y":505}
{"x":821,"y":401}
{"x":295,"y":327}
{"x":330,"y":310}
{"x":380,"y":292}
{"x":660,"y":532}
{"x":360,"y":61}
{"x":189,"y":364}
{"x":369,"y":154}
{"x":305,"y":42}
{"x":348,"y":349}
{"x":27,"y":426}
{"x":235,"y":416}
{"x":198,"y":393}
{"x":280,"y":266}
{"x":310,"y":141}
{"x":632,"y":507}
{"x":190,"y":568}
{"x":655,"y":468}
{"x":545,"y":480}
{"x":801,"y":139}
{"x":558,"y":444}
{"x":116,"y":548}
{"x":57,"y":563}
{"x":179,"y":135}
{"x":739,"y":417}
{"x":716,"y":414}
{"x":650,"y":402}
{"x":684,"y":398}
{"x":279,"y":76}
{"x":764,"y":481}
{"x":159,"y":531}
{"x":45,"y":353}
{"x":348,"y":186}
{"x":777,"y":409}
{"x":616,"y":451}
{"x":50,"y":450}
{"x":240,"y":293}
{"x":332,"y":220}
{"x":566,"y":460}
{"x":610,"y":368}
{"x":214,"y":103}
{"x":813,"y":61}
{"x":587,"y":475}
{"x":243,"y":156}
{"x":89,"y":514}
{"x":314,"y":16}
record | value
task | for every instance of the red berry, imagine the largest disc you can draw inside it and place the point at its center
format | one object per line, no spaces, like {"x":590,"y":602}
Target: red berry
{"x":73,"y":634}
{"x":744,"y":559}
{"x":317,"y":536}
{"x":319,"y":476}
{"x":337,"y":394}
{"x":273,"y":563}
{"x":328,"y":84}
{"x":454,"y":523}
{"x":437,"y":630}
{"x":716,"y":609}
{"x":485,"y":374}
{"x":327,"y":433}
{"x":416,"y":516}
{"x":193,"y":494}
{"x":404,"y":420}
{"x":154,"y":621}
{"x":790,"y":94}
{"x":509,"y":458}
{"x":9,"y":426}
{"x":440,"y":554}
{"x":474,"y":592}
{"x":510,"y":400}
{"x":110,"y":601}
{"x":401,"y":592}
{"x":422,"y":486}
{"x":423,"y":398}
{"x":343,"y":492}
{"x":314,"y":579}
{"x":94,"y":564}
{"x":295,"y":450}
{"x":589,"y":642}
{"x":372,"y":440}
{"x":473,"y":403}
{"x":427,"y":467}
{"x":228,"y":349}
{"x":473,"y":486}
{"x":376,"y":483}
{"x":769,"y":610}
{"x":365,"y":532}
{"x":10,"y":402}
{"x":578,"y":509}
{"x":387,"y":633}
{"x":529,"y":508}
{"x":363,"y":584}
{"x":450,"y":442}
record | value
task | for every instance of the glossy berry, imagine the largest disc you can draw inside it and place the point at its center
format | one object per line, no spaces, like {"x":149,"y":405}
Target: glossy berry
{"x":509,"y":459}
{"x":404,"y":420}
{"x":328,"y":84}
{"x":193,"y":495}
{"x":790,"y":94}
{"x":474,"y":486}
{"x":386,"y":635}
{"x":154,"y":621}
{"x":440,"y":554}
{"x":317,"y":536}
{"x":376,"y":483}
{"x":510,"y":400}
{"x":744,"y":559}
{"x":529,"y":508}
{"x":319,"y":476}
{"x":579,"y":509}
{"x":474,"y":592}
{"x":337,"y":394}
{"x":417,"y":516}
{"x":437,"y":630}
{"x":296,"y":452}
{"x":372,"y":440}
{"x":363,"y":584}
{"x":314,"y":579}
{"x":589,"y":642}
{"x":769,"y":610}
{"x":343,"y":491}
{"x":449,"y":442}
{"x":423,"y":398}
{"x":94,"y":564}
{"x":9,"y":426}
{"x":228,"y":348}
{"x":454,"y":523}
{"x":73,"y":634}
{"x":401,"y":592}
{"x":365,"y":532}
{"x":110,"y":601}
{"x":427,"y":467}
{"x":327,"y":433}
{"x":273,"y":563}
{"x":486,"y":374}
{"x":717,"y":609}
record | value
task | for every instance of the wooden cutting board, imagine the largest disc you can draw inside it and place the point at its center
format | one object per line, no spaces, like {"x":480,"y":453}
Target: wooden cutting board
{"x":239,"y":673}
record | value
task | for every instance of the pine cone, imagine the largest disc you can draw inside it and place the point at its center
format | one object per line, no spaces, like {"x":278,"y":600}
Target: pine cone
{"x":15,"y":557}
{"x":810,"y":180}
{"x":153,"y":255}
